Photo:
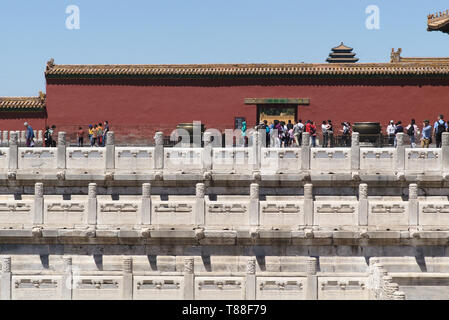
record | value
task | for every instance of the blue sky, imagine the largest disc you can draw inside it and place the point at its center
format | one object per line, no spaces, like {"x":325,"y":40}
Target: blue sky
{"x":203,"y":31}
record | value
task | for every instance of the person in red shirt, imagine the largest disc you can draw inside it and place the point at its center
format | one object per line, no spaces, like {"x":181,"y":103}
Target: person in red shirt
{"x":311,"y":129}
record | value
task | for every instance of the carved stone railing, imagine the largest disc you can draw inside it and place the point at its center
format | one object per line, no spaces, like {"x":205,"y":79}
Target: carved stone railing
{"x":223,"y":163}
{"x":360,"y":215}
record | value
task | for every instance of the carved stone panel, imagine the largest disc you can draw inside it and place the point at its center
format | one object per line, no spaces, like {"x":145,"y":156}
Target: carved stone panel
{"x":282,"y":213}
{"x":158,"y":288}
{"x":219,"y":288}
{"x":37,"y":287}
{"x":388,"y":213}
{"x":342,"y":288}
{"x":86,"y":158}
{"x":434,"y":214}
{"x":118,"y":212}
{"x":97,"y":287}
{"x":330,"y":160}
{"x":336,"y":213}
{"x":65,"y":213}
{"x":134,"y":159}
{"x":281,"y":288}
{"x":177,"y":211}
{"x":36,"y":158}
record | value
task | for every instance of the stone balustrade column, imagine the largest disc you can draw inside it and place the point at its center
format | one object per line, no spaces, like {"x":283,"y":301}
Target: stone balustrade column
{"x":363,"y":204}
{"x":254,"y":205}
{"x":67,"y":279}
{"x":61,"y":150}
{"x":399,"y":295}
{"x":92,"y":204}
{"x":189,"y":278}
{"x":5,"y":142}
{"x":207,"y":151}
{"x":159,"y":150}
{"x":110,"y":150}
{"x":355,"y":152}
{"x":22,"y":139}
{"x":445,"y":153}
{"x":251,"y":288}
{"x":413,"y":204}
{"x":308,"y":204}
{"x":127,"y":293}
{"x":312,"y":279}
{"x":200,"y":204}
{"x":400,"y":151}
{"x":5,"y":279}
{"x":255,"y":150}
{"x":38,"y":215}
{"x":40,"y":138}
{"x":386,"y":280}
{"x":305,"y":151}
{"x":391,"y":289}
{"x":13,"y":150}
{"x":146,"y":204}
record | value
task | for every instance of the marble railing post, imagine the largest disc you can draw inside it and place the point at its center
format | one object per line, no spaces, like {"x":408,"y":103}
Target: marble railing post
{"x":159,"y":150}
{"x":255,"y":150}
{"x":67,"y":279}
{"x":38,"y":216}
{"x":61,"y":150}
{"x":5,"y":141}
{"x":40,"y":139}
{"x":127,"y":293}
{"x":254,"y":205}
{"x":13,"y":150}
{"x":400,"y":151}
{"x":110,"y":150}
{"x":200,"y":204}
{"x":312,"y":279}
{"x":250,"y":293}
{"x":207,"y":151}
{"x":413,"y":204}
{"x":305,"y":151}
{"x":146,"y":204}
{"x":363,"y":204}
{"x":355,"y":152}
{"x":22,"y":139}
{"x":189,"y":278}
{"x":5,"y":280}
{"x":445,"y":152}
{"x":92,"y":204}
{"x":308,"y":204}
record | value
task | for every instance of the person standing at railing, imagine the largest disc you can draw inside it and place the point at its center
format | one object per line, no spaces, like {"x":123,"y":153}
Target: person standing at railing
{"x":412,"y":132}
{"x":346,"y":132}
{"x":426,"y":134}
{"x":330,"y":133}
{"x":105,"y":132}
{"x":80,"y":136}
{"x":311,"y":129}
{"x":298,"y":129}
{"x":324,"y":133}
{"x":29,"y":135}
{"x":391,"y":132}
{"x":439,"y":126}
{"x":399,"y":129}
{"x":91,"y":135}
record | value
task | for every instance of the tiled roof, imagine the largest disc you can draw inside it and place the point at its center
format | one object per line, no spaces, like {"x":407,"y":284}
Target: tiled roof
{"x":246,"y":70}
{"x":396,"y":58}
{"x":438,"y":22}
{"x":342,"y":47}
{"x":30,"y":104}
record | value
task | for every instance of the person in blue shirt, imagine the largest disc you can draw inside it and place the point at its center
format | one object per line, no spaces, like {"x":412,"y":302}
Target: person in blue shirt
{"x":440,"y":126}
{"x":426,"y":133}
{"x":29,"y":135}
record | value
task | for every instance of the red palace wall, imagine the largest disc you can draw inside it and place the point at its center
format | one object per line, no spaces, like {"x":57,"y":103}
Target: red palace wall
{"x":136,"y":109}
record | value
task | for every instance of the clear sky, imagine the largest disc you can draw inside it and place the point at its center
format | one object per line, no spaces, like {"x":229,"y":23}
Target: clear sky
{"x":204,"y":31}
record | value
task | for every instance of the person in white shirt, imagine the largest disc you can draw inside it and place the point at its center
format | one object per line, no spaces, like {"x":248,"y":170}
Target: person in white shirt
{"x":391,"y":132}
{"x":324,"y":131}
{"x":298,"y":129}
{"x":412,"y":131}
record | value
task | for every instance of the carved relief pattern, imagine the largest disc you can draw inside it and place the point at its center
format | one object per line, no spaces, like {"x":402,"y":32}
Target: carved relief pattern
{"x":383,"y":208}
{"x":330,"y":154}
{"x":14,"y":207}
{"x":189,"y":264}
{"x":251,"y":266}
{"x":85,"y":154}
{"x":134,"y":154}
{"x":377,"y":155}
{"x":65,"y":207}
{"x":219,"y":285}
{"x":37,"y":154}
{"x":280,"y":208}
{"x":227,"y":208}
{"x":38,"y":284}
{"x":343,"y":285}
{"x":328,"y":208}
{"x":433,"y":208}
{"x":422,"y":155}
{"x":119,"y":207}
{"x":159,"y":285}
{"x":165,"y":207}
{"x":281,"y":285}
{"x":97,"y":284}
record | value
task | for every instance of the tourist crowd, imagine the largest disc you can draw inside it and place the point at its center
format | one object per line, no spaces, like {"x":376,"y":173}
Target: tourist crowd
{"x":96,"y":133}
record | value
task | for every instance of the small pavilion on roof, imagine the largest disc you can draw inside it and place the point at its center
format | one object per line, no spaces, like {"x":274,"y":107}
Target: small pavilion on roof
{"x":342,"y":54}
